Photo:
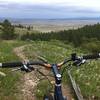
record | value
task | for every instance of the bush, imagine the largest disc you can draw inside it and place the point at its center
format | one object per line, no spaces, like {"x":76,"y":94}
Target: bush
{"x":92,"y":45}
{"x":7,"y":30}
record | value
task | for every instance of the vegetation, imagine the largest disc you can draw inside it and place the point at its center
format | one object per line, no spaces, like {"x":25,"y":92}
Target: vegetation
{"x":7,"y":30}
{"x":54,"y":51}
{"x":87,"y":37}
{"x":79,"y":37}
{"x":87,"y":76}
{"x":9,"y":89}
{"x":41,"y":90}
{"x":54,"y":46}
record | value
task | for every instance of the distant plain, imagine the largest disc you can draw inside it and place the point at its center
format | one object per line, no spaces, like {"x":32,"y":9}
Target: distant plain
{"x":48,"y":25}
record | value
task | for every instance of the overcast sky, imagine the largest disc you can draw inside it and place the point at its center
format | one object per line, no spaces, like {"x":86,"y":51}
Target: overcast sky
{"x":49,"y":8}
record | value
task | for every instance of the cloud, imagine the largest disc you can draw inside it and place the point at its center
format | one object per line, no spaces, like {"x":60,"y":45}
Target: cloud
{"x":82,"y":3}
{"x":48,"y":8}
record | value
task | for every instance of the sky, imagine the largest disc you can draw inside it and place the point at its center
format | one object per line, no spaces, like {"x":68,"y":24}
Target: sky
{"x":49,"y":8}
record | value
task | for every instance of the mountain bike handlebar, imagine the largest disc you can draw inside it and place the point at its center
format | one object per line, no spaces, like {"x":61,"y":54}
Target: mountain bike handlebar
{"x":17,"y":64}
{"x":74,"y":57}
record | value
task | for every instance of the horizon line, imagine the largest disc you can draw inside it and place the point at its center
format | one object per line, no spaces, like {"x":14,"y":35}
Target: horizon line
{"x":51,"y":18}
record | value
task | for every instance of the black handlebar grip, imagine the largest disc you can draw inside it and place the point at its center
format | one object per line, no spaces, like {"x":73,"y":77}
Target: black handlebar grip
{"x":95,"y":56}
{"x":36,"y":63}
{"x":11,"y":64}
{"x":18,"y":64}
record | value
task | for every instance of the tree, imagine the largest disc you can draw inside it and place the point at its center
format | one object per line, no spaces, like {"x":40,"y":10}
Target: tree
{"x":7,"y":30}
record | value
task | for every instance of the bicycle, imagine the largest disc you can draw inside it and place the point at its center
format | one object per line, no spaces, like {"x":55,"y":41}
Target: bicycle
{"x":27,"y":67}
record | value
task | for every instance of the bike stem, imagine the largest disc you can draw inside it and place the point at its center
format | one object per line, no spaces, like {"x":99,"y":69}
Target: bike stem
{"x":58,"y":90}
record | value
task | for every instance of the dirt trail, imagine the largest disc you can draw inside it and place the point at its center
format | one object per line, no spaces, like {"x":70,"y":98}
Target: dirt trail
{"x":29,"y":79}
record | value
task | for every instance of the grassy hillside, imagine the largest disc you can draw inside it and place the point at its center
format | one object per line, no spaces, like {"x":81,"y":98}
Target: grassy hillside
{"x":87,"y":76}
{"x":53,"y":51}
{"x":9,"y":84}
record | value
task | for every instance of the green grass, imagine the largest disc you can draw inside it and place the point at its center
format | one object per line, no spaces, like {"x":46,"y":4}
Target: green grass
{"x":42,"y":88}
{"x":53,"y":51}
{"x":9,"y":84}
{"x":87,"y":76}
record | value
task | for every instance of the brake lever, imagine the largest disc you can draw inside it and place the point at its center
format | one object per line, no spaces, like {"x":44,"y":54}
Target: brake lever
{"x":24,"y":68}
{"x":79,"y":62}
{"x":27,"y":68}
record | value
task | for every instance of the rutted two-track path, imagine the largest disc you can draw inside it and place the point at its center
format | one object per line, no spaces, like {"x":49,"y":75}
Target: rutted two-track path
{"x":29,"y":80}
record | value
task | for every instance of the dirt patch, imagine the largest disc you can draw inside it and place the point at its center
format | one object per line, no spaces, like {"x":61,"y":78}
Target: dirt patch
{"x":29,"y":80}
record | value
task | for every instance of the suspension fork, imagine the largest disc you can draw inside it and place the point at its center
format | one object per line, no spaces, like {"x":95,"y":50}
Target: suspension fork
{"x":58,"y":89}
